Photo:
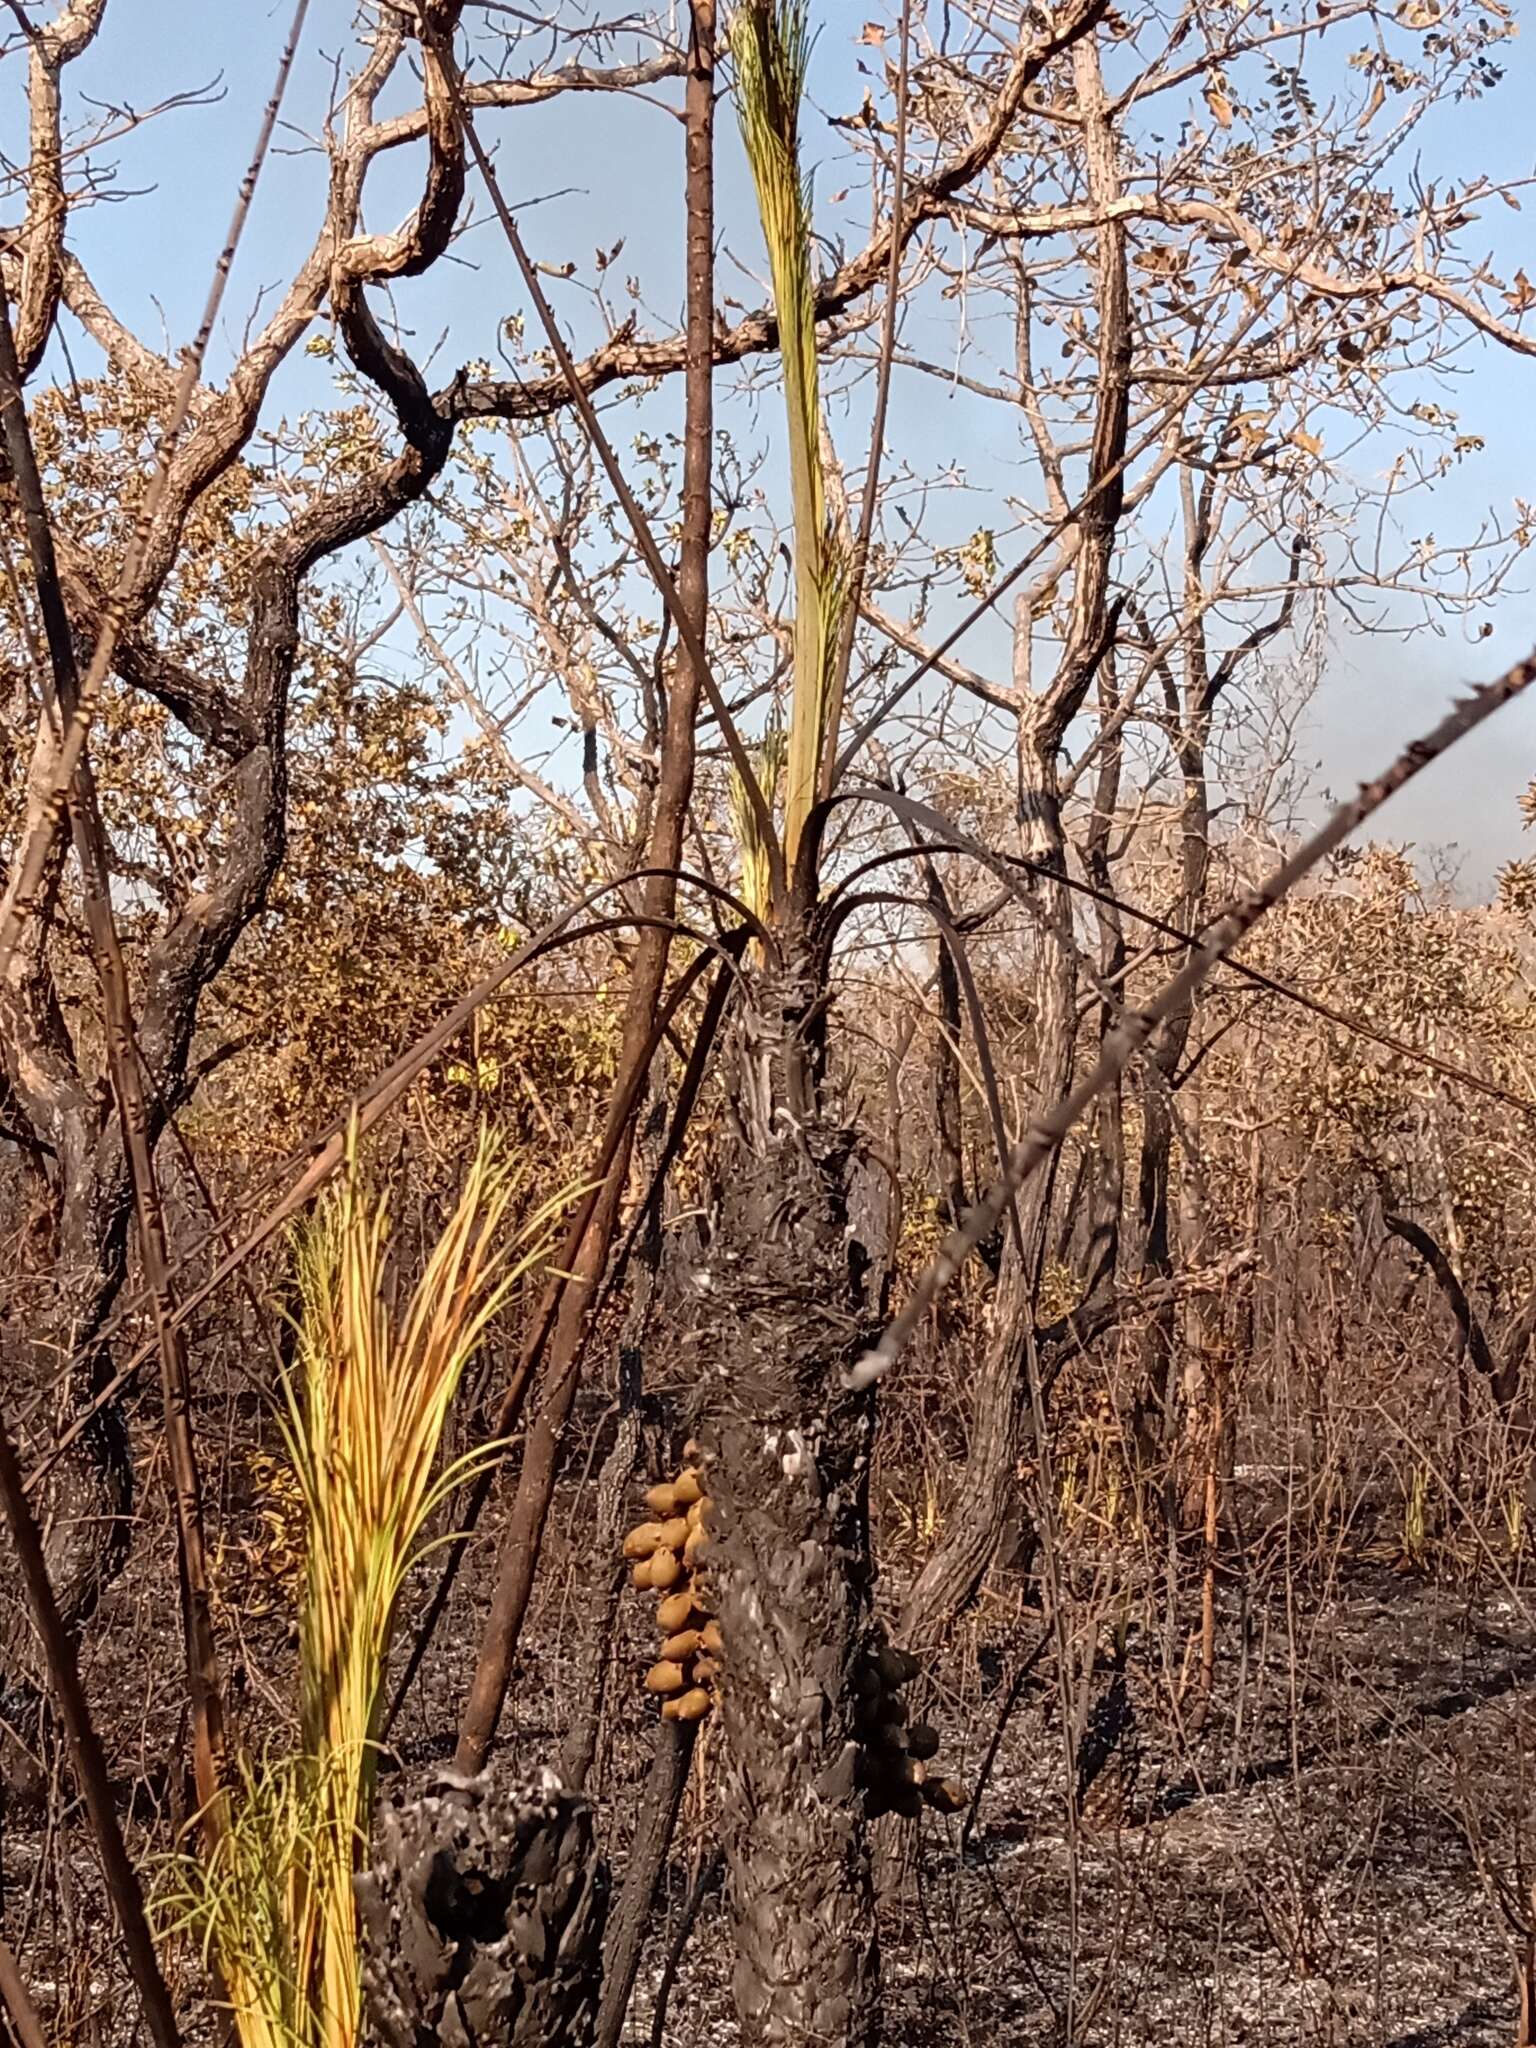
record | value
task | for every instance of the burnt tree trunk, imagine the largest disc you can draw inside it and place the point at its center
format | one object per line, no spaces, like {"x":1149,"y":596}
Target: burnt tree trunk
{"x":482,"y":1917}
{"x":54,"y":1366}
{"x":52,"y":1087}
{"x":786,"y":1454}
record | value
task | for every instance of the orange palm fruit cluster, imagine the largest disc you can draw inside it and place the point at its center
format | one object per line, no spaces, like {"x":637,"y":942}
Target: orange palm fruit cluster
{"x":665,"y":1553}
{"x":897,"y":1753}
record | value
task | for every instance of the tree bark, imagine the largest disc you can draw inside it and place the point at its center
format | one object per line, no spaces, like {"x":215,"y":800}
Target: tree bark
{"x":89,"y":1499}
{"x":482,"y":1917}
{"x":786,"y":1459}
{"x":1106,"y":1199}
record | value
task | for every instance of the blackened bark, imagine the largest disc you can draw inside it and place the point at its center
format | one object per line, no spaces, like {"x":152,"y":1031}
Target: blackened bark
{"x":123,"y":1061}
{"x":88,"y":1502}
{"x":786,"y":1455}
{"x":1502,"y":1375}
{"x":482,"y":1917}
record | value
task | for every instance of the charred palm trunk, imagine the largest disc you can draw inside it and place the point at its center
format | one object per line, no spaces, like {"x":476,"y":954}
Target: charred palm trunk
{"x":786,"y":1449}
{"x":482,"y":1917}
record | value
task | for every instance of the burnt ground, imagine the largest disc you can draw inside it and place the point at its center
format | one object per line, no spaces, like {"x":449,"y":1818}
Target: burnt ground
{"x":1335,"y":1856}
{"x":1322,"y":1863}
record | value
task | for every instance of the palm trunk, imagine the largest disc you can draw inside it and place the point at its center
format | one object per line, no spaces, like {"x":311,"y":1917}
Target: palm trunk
{"x":786,"y":1451}
{"x":482,"y":1916}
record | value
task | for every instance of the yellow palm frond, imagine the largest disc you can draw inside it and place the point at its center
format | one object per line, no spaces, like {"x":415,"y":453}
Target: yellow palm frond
{"x":363,"y":1415}
{"x":770,"y":44}
{"x":756,"y":875}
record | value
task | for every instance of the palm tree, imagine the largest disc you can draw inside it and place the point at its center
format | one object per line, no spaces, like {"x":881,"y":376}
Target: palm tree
{"x":781,"y":1309}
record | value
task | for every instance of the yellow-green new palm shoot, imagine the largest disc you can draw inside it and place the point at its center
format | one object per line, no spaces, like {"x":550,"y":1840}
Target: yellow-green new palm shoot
{"x":364,"y":1413}
{"x":770,"y":45}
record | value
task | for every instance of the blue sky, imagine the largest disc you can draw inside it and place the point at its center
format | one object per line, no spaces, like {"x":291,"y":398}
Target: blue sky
{"x":609,"y":162}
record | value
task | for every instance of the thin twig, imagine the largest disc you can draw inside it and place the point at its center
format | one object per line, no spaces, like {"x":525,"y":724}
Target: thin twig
{"x":1346,"y":1020}
{"x":709,"y":1874}
{"x":860,"y":561}
{"x":17,"y":2000}
{"x":1020,"y":1679}
{"x":687,"y":630}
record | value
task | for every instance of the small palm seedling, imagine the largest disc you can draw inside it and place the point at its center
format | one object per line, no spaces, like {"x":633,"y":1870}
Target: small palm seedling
{"x":1514,"y":1521}
{"x":362,"y":1415}
{"x":1415,"y":1543}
